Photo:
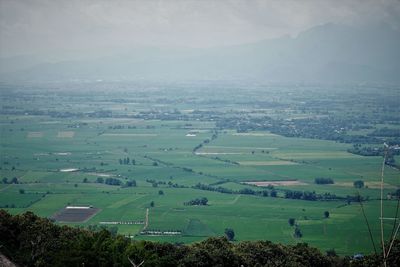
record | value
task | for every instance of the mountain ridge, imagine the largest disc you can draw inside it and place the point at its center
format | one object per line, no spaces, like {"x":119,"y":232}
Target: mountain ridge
{"x":325,"y":53}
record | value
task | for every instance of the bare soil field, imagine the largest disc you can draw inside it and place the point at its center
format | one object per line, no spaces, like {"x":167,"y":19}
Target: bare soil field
{"x":129,"y":134}
{"x":372,"y":185}
{"x":69,"y":170}
{"x":267,"y":163}
{"x":274,"y":183}
{"x":35,"y":135}
{"x":254,"y":134}
{"x":99,"y":174}
{"x":240,"y":147}
{"x":219,"y":153}
{"x":75,"y":214}
{"x":66,"y":134}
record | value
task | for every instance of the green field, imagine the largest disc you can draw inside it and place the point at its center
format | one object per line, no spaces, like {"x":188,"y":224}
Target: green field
{"x":41,"y":150}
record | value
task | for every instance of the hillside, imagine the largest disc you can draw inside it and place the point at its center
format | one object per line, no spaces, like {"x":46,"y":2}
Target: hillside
{"x":29,"y":240}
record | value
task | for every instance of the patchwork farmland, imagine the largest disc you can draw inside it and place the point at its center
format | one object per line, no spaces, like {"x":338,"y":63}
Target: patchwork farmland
{"x":126,"y":156}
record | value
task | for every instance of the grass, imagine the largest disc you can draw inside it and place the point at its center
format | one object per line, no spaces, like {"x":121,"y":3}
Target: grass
{"x":262,"y":156}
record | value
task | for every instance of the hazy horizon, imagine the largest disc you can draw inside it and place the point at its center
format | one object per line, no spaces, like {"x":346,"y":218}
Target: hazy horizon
{"x":56,"y":27}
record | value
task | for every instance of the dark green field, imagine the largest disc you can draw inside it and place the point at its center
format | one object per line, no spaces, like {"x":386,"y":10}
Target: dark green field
{"x":59,"y":144}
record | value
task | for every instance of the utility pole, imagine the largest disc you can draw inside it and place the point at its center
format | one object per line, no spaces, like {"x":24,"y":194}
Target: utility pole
{"x":381,"y":218}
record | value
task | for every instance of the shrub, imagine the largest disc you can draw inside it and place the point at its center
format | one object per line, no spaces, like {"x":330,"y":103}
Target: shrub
{"x":358,"y":184}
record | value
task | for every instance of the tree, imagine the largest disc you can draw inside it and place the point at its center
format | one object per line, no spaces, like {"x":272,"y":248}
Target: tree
{"x":326,"y":214}
{"x":274,"y":193}
{"x":112,"y":181}
{"x":291,"y":221}
{"x":14,"y":180}
{"x":85,"y":180}
{"x":322,"y":180}
{"x":152,"y":204}
{"x":22,"y":191}
{"x":100,"y":180}
{"x":130,"y":183}
{"x":331,"y":253}
{"x":197,"y":202}
{"x":358,"y":184}
{"x":203,"y":201}
{"x":230,"y":234}
{"x":160,"y":192}
{"x":297,"y":232}
{"x":5,"y":180}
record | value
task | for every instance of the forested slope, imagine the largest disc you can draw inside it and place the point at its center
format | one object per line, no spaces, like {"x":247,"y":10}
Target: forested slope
{"x":29,"y":240}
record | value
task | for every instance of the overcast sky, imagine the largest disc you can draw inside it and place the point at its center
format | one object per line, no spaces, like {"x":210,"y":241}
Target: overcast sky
{"x":29,"y":27}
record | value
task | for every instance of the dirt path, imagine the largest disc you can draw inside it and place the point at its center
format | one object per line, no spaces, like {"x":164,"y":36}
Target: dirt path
{"x":235,"y":200}
{"x":146,"y":222}
{"x":4,"y":188}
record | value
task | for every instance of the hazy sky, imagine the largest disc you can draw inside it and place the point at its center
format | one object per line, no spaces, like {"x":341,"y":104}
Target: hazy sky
{"x":28,"y":26}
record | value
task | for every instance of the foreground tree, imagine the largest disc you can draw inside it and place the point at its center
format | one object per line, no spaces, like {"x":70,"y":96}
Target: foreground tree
{"x":28,"y":240}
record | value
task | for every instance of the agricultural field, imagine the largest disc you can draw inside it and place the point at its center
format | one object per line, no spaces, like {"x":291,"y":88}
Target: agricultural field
{"x":142,"y":153}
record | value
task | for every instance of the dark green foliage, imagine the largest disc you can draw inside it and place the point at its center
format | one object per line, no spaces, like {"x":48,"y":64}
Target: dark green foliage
{"x":126,"y":161}
{"x":29,"y":240}
{"x":326,"y":214}
{"x":113,"y":181}
{"x":322,"y":180}
{"x":358,"y":184}
{"x":395,"y":194}
{"x":230,"y":234}
{"x":247,"y":191}
{"x":22,"y":191}
{"x":297,"y":232}
{"x":130,"y":183}
{"x":211,"y":252}
{"x":291,"y":221}
{"x":100,"y":180}
{"x":306,"y":195}
{"x":160,"y":192}
{"x":197,"y":202}
{"x":331,"y":252}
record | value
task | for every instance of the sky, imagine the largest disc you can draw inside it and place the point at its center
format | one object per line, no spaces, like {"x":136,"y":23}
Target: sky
{"x":44,"y":26}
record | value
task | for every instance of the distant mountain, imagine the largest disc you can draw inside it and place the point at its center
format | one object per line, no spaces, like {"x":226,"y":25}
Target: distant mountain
{"x":328,"y":53}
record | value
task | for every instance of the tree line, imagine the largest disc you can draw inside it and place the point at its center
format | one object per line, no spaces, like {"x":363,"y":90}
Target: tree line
{"x":28,"y":240}
{"x":285,"y":193}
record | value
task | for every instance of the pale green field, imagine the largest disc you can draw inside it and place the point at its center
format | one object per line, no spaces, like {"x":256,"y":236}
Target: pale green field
{"x":228,"y":160}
